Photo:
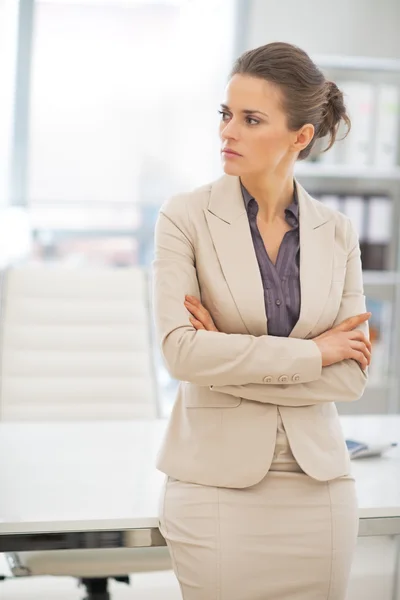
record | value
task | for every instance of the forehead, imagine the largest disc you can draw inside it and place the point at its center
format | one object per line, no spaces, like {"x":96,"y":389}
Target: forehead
{"x":243,"y":92}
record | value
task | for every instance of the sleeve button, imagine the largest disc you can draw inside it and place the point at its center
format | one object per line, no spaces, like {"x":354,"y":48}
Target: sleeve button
{"x":283,"y":379}
{"x":268,"y":379}
{"x":296,"y":377}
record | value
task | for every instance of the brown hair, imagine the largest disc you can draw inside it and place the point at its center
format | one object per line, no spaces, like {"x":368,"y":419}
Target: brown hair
{"x":307,"y":96}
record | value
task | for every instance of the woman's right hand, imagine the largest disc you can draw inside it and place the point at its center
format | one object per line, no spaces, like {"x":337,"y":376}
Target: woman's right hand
{"x":345,"y":341}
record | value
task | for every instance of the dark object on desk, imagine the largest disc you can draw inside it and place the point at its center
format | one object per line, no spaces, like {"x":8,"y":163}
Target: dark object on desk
{"x":362,"y":450}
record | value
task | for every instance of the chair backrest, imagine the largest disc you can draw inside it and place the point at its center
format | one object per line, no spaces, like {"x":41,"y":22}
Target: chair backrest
{"x":76,"y":344}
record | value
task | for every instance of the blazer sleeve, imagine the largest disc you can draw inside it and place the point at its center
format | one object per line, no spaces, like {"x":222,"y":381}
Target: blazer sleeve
{"x":341,"y":382}
{"x":207,"y":357}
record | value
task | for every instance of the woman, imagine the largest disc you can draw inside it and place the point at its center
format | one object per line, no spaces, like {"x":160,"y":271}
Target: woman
{"x":258,"y":501}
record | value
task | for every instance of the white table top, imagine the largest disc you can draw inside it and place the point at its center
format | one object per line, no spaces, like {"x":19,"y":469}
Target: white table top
{"x":377,"y":479}
{"x":97,"y":476}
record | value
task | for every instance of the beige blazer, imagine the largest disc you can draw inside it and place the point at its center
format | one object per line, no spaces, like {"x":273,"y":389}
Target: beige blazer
{"x":222,"y":429}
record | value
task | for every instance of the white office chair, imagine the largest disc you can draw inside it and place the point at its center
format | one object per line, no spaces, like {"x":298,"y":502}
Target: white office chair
{"x":76,"y":345}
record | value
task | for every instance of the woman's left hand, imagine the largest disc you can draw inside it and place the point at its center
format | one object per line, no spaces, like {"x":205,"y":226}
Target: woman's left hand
{"x":201,"y":318}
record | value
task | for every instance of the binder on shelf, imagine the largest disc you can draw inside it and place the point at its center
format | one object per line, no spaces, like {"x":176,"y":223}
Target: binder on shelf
{"x":336,"y":154}
{"x":359,"y":99}
{"x":380,"y":335}
{"x":331,"y":157}
{"x":378,"y":232}
{"x":354,"y":207}
{"x":387,"y":126}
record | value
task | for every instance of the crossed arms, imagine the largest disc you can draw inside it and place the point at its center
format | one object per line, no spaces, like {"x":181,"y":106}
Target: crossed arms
{"x":237,"y":364}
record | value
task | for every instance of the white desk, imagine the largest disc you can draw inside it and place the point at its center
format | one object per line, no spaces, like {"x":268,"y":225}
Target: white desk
{"x":94,"y":485}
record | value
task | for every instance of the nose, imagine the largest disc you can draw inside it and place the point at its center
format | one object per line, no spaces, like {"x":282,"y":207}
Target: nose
{"x":229,"y":130}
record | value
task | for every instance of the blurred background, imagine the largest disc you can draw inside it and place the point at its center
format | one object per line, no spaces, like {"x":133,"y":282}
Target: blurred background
{"x":109,"y":107}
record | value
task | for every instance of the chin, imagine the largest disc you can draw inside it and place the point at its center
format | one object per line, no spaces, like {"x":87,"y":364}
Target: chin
{"x":231,"y":169}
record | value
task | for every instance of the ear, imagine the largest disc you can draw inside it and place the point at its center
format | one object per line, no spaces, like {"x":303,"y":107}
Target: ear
{"x":303,"y":137}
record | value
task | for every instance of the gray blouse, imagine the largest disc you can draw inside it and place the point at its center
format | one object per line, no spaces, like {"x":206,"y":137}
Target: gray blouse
{"x":281,"y":281}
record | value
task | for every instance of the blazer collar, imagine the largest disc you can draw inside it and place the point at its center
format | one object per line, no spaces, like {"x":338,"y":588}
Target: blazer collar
{"x":229,"y":228}
{"x":226,"y":202}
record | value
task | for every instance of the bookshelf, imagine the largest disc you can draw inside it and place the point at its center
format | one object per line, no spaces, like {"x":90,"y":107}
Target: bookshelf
{"x":320,"y":171}
{"x":342,"y":178}
{"x":357,"y":63}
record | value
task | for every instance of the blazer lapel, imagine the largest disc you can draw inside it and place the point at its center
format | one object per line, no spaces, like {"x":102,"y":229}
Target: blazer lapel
{"x":317,"y":237}
{"x":229,"y":228}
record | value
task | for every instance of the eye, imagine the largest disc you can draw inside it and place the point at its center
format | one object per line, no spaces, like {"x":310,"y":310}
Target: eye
{"x":252,"y":121}
{"x":224,"y":115}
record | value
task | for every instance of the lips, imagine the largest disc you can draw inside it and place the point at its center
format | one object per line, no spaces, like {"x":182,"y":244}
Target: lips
{"x":229,"y":151}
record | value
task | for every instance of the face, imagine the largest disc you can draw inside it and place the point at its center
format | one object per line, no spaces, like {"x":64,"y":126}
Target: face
{"x":254,"y":126}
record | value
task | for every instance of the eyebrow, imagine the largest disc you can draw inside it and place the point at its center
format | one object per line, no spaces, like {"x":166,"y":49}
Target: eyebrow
{"x":246,"y":111}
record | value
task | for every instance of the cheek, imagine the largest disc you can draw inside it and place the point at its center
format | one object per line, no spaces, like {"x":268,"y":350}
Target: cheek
{"x":266,"y":144}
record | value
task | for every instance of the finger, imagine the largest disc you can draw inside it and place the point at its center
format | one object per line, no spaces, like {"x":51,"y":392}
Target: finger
{"x":360,"y":358}
{"x":196,"y":323}
{"x":193,"y":300}
{"x":361,"y":347}
{"x":197,"y":307}
{"x":356,"y":334}
{"x":201,"y":314}
{"x":195,"y":310}
{"x":352,"y":322}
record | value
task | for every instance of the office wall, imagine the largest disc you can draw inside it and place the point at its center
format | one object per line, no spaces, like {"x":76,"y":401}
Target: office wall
{"x":350,"y":27}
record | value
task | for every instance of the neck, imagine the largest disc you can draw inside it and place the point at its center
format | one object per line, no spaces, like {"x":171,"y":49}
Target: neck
{"x":273,"y":193}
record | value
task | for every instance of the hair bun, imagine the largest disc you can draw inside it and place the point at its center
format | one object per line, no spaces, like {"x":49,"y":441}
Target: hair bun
{"x":334,"y":99}
{"x":335,"y":112}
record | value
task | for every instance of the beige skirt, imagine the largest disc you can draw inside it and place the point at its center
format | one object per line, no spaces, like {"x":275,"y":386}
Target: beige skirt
{"x":289,"y":537}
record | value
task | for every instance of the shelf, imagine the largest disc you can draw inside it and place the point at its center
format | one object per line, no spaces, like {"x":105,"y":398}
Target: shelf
{"x":322,"y":171}
{"x":357,"y":63}
{"x":381,"y":278}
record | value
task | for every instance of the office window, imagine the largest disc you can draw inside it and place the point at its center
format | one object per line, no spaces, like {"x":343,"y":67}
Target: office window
{"x":123,"y":113}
